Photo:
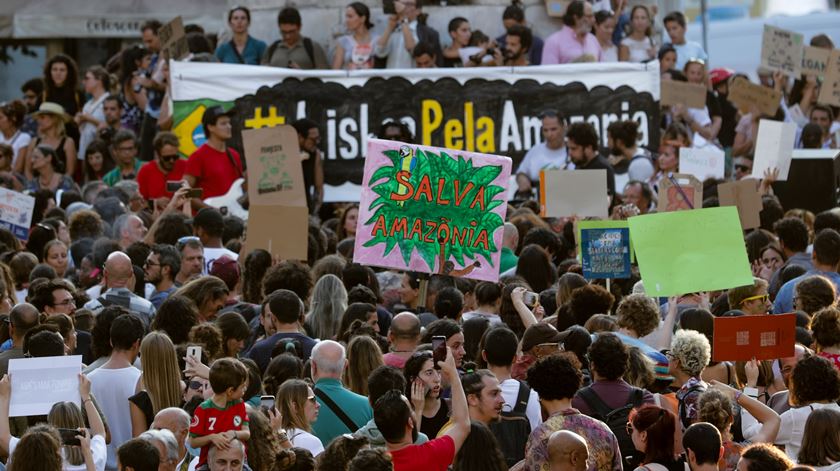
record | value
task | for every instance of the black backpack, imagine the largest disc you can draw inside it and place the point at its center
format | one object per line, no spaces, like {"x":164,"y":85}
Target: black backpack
{"x":513,"y":428}
{"x":616,"y":420}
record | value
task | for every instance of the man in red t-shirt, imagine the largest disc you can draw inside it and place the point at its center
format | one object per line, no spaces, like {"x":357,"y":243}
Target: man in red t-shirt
{"x":213,"y":166}
{"x":395,"y":420}
{"x":167,"y":166}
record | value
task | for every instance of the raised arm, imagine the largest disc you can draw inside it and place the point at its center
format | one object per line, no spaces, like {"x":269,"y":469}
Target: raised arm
{"x":460,"y":412}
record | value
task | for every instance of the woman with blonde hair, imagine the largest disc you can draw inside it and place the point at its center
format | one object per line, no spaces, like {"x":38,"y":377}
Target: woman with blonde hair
{"x":363,"y":356}
{"x":160,"y":382}
{"x":51,"y":133}
{"x":329,"y":301}
{"x":298,"y":408}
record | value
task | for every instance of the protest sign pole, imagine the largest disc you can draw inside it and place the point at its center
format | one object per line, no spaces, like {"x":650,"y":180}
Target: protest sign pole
{"x":608,"y":285}
{"x":424,"y":289}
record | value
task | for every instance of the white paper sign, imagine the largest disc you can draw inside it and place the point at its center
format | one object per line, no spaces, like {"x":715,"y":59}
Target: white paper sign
{"x":707,"y":162}
{"x":574,"y":192}
{"x":38,"y":383}
{"x":773,"y":148}
{"x":16,"y":212}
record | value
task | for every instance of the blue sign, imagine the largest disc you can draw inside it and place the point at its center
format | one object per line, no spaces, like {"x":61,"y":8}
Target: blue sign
{"x":605,"y":253}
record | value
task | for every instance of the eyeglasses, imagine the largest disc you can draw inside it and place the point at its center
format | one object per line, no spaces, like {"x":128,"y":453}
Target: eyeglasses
{"x":196,"y":385}
{"x":742,"y":168}
{"x":763,"y":297}
{"x":169,"y":158}
{"x":66,"y":302}
{"x":149,"y":263}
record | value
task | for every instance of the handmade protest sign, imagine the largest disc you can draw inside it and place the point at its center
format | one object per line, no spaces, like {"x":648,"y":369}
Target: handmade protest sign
{"x":605,"y":252}
{"x":703,"y":163}
{"x":38,"y":383}
{"x":781,"y":50}
{"x":280,"y":230}
{"x":761,"y":337}
{"x":744,"y":195}
{"x":745,"y":94}
{"x":674,"y":92}
{"x":574,"y":192}
{"x":774,"y":148}
{"x":16,"y":212}
{"x":687,"y":251}
{"x":830,"y":88}
{"x":432,"y":210}
{"x":602,"y":224}
{"x":814,"y":60}
{"x":173,"y":39}
{"x":680,"y":191}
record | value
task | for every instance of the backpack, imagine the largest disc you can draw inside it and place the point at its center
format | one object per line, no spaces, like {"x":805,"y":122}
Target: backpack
{"x":307,"y":45}
{"x":685,"y":420}
{"x":616,"y":420}
{"x":513,"y":428}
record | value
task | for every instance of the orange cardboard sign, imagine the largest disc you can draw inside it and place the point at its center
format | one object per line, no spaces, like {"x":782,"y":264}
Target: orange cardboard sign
{"x":760,"y":337}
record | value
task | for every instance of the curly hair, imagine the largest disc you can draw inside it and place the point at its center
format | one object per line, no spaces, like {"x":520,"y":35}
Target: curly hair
{"x":38,"y":450}
{"x":825,"y":326}
{"x":639,"y":313}
{"x":590,"y":300}
{"x":264,"y":444}
{"x":85,"y":223}
{"x":176,"y":316}
{"x":692,"y":350}
{"x":814,"y":379}
{"x":210,"y":337}
{"x":338,"y":454}
{"x":766,"y":457}
{"x":715,"y":407}
{"x":556,"y":377}
{"x":293,"y":276}
{"x":608,"y":356}
{"x":814,"y":293}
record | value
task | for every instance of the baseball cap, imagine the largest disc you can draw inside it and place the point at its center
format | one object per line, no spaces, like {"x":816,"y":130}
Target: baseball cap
{"x":213,"y":113}
{"x":208,"y":218}
{"x":226,"y":269}
{"x":720,"y":74}
{"x":539,"y":333}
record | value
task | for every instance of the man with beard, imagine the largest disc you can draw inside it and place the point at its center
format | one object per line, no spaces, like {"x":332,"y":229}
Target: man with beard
{"x":309,"y":137}
{"x":575,"y":42}
{"x":167,"y":166}
{"x":112,"y":108}
{"x":517,"y":45}
{"x":161,"y":267}
{"x":582,"y":145}
{"x":550,"y":154}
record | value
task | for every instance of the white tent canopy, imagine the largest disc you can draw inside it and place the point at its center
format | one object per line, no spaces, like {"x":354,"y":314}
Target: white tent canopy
{"x":101,"y":18}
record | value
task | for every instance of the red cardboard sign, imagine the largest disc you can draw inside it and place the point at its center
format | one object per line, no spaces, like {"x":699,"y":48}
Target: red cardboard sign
{"x":760,"y":337}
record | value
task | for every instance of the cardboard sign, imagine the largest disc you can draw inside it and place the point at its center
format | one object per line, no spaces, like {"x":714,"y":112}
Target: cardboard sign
{"x":38,"y":383}
{"x":707,"y":162}
{"x":744,"y":195}
{"x":688,"y":251}
{"x":275,"y":175}
{"x":744,"y":94}
{"x":605,"y":252}
{"x":814,"y":60}
{"x":283,"y":231}
{"x":684,"y":192}
{"x":173,"y":39}
{"x":565,"y":193}
{"x":673,"y":92}
{"x":556,"y":8}
{"x":16,"y":212}
{"x":773,"y":148}
{"x":761,"y":337}
{"x":830,"y":88}
{"x":781,"y":50}
{"x":432,"y":210}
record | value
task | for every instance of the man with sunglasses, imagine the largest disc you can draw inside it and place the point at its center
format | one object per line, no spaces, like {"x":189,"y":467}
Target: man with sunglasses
{"x":167,"y":166}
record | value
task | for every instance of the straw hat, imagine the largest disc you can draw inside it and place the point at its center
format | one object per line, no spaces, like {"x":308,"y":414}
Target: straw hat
{"x":49,"y":107}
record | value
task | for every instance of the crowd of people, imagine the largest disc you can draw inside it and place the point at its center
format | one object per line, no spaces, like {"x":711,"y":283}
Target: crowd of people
{"x":199,"y":353}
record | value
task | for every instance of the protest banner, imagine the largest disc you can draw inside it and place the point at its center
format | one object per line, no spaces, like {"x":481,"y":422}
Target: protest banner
{"x":173,"y":39}
{"x":781,"y":50}
{"x":703,"y":163}
{"x":688,"y":251}
{"x":16,"y":212}
{"x":276,"y":192}
{"x":432,"y":210}
{"x":679,"y":192}
{"x":605,"y":251}
{"x":761,"y":337}
{"x":773,"y":148}
{"x":814,"y":60}
{"x":38,"y":383}
{"x":691,"y":95}
{"x":830,"y":88}
{"x":486,"y":110}
{"x":574,"y":192}
{"x":745,"y":94}
{"x":744,"y":195}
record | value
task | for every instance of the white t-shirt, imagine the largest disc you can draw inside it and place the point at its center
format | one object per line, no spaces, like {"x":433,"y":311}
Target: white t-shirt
{"x":112,"y":388}
{"x":212,"y":254}
{"x":19,"y":140}
{"x":510,"y":389}
{"x":97,"y":448}
{"x":303,"y":439}
{"x":87,"y":132}
{"x":540,"y":157}
{"x":793,"y":427}
{"x":638,"y":49}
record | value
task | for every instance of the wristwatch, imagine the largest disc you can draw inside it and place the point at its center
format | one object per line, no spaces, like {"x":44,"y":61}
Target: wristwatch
{"x":751,"y":392}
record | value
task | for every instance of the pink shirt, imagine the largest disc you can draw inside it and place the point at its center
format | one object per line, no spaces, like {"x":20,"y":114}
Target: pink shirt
{"x":564,"y":46}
